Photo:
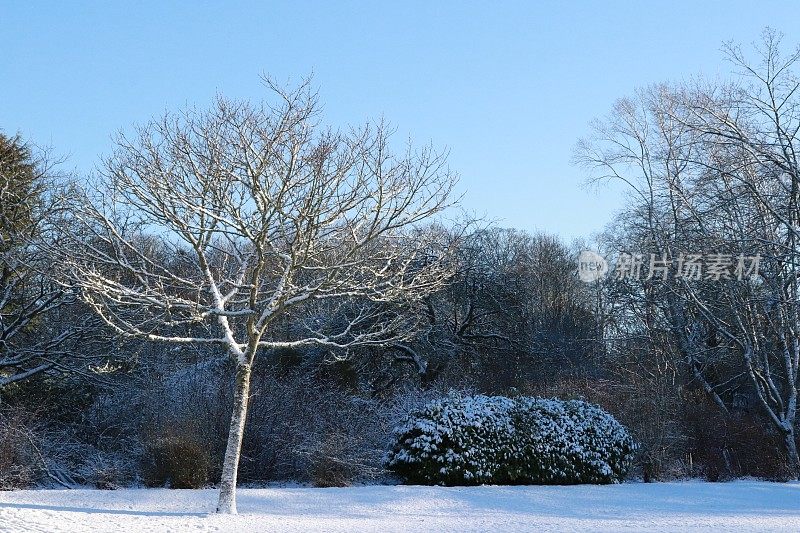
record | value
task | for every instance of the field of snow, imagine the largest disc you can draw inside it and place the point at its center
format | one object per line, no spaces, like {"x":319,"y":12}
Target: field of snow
{"x":689,"y":506}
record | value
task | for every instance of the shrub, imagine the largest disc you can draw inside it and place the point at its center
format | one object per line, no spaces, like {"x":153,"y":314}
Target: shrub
{"x":18,"y":457}
{"x":177,"y":461}
{"x":105,"y":470}
{"x":327,"y":468}
{"x":727,"y":446}
{"x":319,"y":435}
{"x":496,"y":440}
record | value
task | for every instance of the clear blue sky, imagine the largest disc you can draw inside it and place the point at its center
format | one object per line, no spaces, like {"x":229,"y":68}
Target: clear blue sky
{"x":507,"y":86}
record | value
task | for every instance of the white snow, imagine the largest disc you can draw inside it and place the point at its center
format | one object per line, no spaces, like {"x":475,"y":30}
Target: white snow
{"x":686,"y":506}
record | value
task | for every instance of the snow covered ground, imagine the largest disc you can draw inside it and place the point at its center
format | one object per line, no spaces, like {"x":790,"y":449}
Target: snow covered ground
{"x":690,"y":506}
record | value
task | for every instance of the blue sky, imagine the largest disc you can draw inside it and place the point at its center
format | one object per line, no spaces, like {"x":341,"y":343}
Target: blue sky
{"x":508,"y":87}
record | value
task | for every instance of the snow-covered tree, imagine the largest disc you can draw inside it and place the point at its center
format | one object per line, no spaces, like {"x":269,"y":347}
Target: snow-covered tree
{"x":261,"y":211}
{"x":714,"y":170}
{"x":35,"y":334}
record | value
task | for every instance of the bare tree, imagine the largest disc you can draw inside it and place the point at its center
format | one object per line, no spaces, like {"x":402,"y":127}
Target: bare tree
{"x":513,"y":312}
{"x":260,"y":210}
{"x":715,"y":170}
{"x":746,"y":135}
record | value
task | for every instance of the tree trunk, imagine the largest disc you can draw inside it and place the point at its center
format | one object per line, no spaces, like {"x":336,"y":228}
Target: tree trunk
{"x":230,"y":467}
{"x":791,"y":451}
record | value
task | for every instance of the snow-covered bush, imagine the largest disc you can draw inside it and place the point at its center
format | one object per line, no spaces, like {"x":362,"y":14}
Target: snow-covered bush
{"x":471,"y":440}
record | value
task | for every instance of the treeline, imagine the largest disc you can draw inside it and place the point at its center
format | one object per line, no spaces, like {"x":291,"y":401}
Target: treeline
{"x":120,"y":312}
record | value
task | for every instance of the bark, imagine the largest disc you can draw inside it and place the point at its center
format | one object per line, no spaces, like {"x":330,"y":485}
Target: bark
{"x":791,"y":451}
{"x":230,"y":467}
